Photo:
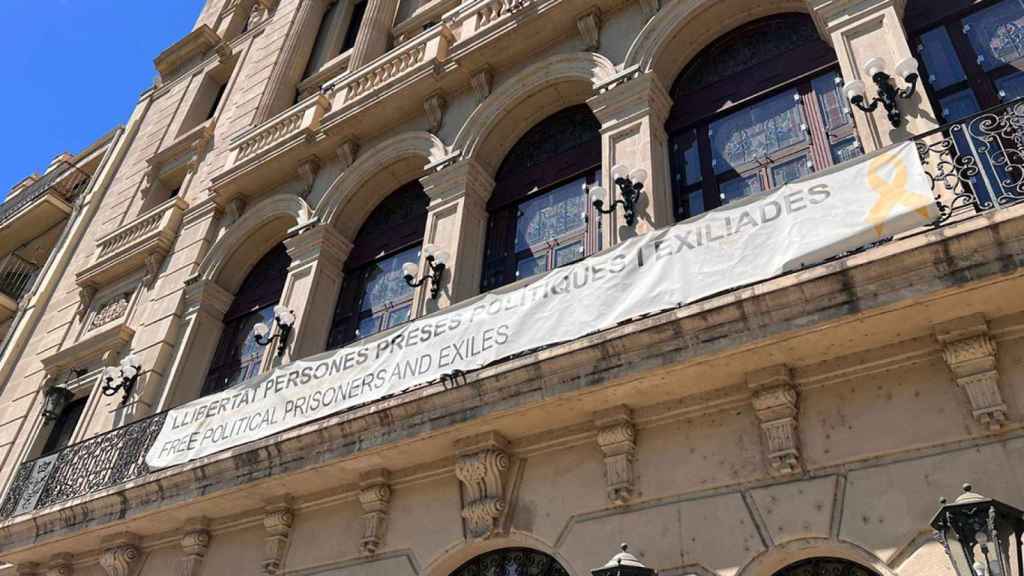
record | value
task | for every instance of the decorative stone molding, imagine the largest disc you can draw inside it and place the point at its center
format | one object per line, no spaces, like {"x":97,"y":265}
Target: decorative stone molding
{"x":233,"y":211}
{"x":85,"y":296}
{"x":970,"y":353}
{"x":616,"y":436}
{"x":434,"y":106}
{"x":375,"y":496}
{"x":589,"y":25}
{"x":61,"y":565}
{"x":195,"y":44}
{"x":113,"y":309}
{"x":194,"y":545}
{"x":347,"y":153}
{"x":775,"y":400}
{"x":104,"y":342}
{"x":121,"y":555}
{"x":482,"y":81}
{"x":482,"y":466}
{"x":308,"y":169}
{"x":277,"y":521}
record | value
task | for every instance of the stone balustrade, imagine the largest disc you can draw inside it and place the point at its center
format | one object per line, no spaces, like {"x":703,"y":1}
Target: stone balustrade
{"x":479,"y":15}
{"x":301,"y":119}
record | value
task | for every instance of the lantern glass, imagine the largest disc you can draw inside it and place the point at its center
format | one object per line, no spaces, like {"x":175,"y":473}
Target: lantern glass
{"x":982,"y":537}
{"x":55,"y":399}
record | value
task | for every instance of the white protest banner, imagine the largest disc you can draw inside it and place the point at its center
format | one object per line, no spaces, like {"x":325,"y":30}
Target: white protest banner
{"x":738,"y":244}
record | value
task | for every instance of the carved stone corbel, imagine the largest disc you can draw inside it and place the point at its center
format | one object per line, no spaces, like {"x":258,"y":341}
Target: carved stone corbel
{"x":347,"y":152}
{"x":308,"y":169}
{"x":85,"y":296}
{"x":121,"y":556}
{"x":650,"y":8}
{"x":482,"y":466}
{"x":435,"y":106}
{"x":616,"y":436}
{"x":482,"y":81}
{"x":277,"y":521}
{"x":61,"y":565}
{"x":152,"y":263}
{"x":194,"y":545}
{"x":233,"y":211}
{"x":375,"y":496}
{"x":970,"y":353}
{"x":589,"y":25}
{"x":775,"y":400}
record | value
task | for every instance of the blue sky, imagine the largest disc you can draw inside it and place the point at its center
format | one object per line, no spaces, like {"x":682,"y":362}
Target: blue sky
{"x":74,"y":69}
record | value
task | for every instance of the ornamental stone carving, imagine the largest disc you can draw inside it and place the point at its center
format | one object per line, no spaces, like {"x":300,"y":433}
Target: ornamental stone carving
{"x":61,"y":565}
{"x":616,"y":436}
{"x":347,"y":153}
{"x":482,"y":466}
{"x":277,"y":521}
{"x":307,"y":170}
{"x":482,"y":81}
{"x":589,"y":25}
{"x":970,"y":353}
{"x":775,"y":400}
{"x":194,"y":545}
{"x":375,"y":496}
{"x":113,"y":309}
{"x":435,"y":106}
{"x":121,"y":556}
{"x":85,"y":296}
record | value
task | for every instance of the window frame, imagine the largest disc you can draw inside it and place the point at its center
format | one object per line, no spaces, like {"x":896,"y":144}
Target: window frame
{"x":977,"y":81}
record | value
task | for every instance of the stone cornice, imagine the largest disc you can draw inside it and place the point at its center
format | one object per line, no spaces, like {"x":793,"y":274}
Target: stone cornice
{"x":196,"y":43}
{"x":877,"y":285}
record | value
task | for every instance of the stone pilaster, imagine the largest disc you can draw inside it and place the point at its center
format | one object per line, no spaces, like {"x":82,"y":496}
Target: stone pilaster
{"x":456,"y":222}
{"x":205,"y":305}
{"x":121,"y":555}
{"x":860,"y":31}
{"x":195,"y":542}
{"x":292,"y":60}
{"x":632,"y":108}
{"x":775,"y":400}
{"x":372,"y":38}
{"x":970,"y":353}
{"x":482,"y":465}
{"x":277,"y":521}
{"x":314,"y":280}
{"x":375,"y":497}
{"x":616,"y":436}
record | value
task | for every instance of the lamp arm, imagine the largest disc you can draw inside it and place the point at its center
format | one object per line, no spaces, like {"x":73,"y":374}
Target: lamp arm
{"x":870,"y":107}
{"x":911,"y":87}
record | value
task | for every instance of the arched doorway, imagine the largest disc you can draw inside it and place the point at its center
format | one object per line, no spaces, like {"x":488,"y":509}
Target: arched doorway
{"x":822,"y":566}
{"x":512,"y":562}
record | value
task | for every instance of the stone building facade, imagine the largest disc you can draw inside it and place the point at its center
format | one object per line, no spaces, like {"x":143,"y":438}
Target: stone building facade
{"x":297,"y":153}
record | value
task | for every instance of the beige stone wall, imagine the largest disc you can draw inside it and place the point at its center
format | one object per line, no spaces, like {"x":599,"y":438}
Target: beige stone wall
{"x":882,"y":427}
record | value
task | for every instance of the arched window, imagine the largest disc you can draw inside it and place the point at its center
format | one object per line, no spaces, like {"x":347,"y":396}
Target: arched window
{"x":512,"y":562}
{"x":825,"y":567}
{"x":971,"y":53}
{"x":374,"y":295}
{"x":538,"y":213}
{"x":238,"y":357}
{"x":755,"y":109}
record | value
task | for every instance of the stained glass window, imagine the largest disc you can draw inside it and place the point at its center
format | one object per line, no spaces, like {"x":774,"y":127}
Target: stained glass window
{"x":972,"y":57}
{"x":375,"y":296}
{"x":539,"y":214}
{"x":238,"y":357}
{"x":760,"y":126}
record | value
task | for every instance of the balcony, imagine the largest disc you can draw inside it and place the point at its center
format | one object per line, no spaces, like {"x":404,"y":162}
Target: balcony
{"x":140,"y":243}
{"x":16,"y":278}
{"x":977,"y":171}
{"x":42,"y":204}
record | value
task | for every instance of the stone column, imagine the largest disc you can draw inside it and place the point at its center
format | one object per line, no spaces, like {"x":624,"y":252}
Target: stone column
{"x":292,"y":59}
{"x":860,"y":31}
{"x":205,"y":305}
{"x":632,"y":108}
{"x":456,"y":222}
{"x":311,"y":290}
{"x":372,"y":38}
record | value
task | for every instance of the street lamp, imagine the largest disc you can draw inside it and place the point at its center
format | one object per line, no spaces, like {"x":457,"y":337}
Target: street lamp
{"x":125,"y":375}
{"x":285,"y":320}
{"x":631,"y":185}
{"x":982,"y":536}
{"x":624,"y":564}
{"x":55,"y":398}
{"x":888,"y":94}
{"x":437,"y":260}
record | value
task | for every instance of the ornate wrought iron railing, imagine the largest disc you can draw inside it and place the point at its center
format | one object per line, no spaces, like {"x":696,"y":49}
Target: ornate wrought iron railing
{"x":95,"y":464}
{"x":66,"y":178}
{"x":16,"y":276}
{"x":976,"y":165}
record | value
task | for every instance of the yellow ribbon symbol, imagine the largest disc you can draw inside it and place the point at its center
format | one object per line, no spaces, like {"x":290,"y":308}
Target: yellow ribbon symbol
{"x":891,"y":193}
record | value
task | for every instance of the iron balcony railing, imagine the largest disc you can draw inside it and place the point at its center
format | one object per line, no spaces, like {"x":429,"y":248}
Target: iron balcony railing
{"x":16,"y":276}
{"x":976,"y":165}
{"x":65,"y":178}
